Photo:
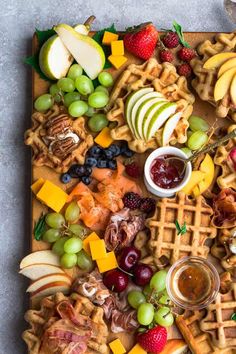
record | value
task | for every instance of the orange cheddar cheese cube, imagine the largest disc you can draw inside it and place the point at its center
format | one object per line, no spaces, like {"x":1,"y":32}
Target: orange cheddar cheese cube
{"x":137,"y":349}
{"x":104,"y":138}
{"x":98,"y":249}
{"x":117,"y":347}
{"x":107,"y":263}
{"x":37,"y":185}
{"x":109,"y":37}
{"x":92,"y":237}
{"x":117,"y":48}
{"x":117,"y":60}
{"x":53,"y":196}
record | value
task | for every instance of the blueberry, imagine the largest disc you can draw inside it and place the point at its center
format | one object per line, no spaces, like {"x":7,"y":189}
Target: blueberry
{"x":73,"y":171}
{"x":102,"y":163}
{"x":86,"y":180}
{"x":115,"y":149}
{"x":95,"y":151}
{"x":112,"y":164}
{"x":80,"y":170}
{"x":109,"y":154}
{"x":125,"y":151}
{"x":88,"y":171}
{"x":91,"y":161}
{"x":65,"y":178}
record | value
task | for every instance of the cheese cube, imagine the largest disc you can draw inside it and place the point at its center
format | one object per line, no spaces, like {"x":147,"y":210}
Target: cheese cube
{"x":107,"y":263}
{"x":53,"y":196}
{"x":37,"y":185}
{"x":92,"y":237}
{"x":137,"y":349}
{"x":109,"y":37}
{"x":117,"y":48}
{"x":117,"y":347}
{"x":98,"y":249}
{"x":104,"y":138}
{"x":117,"y":60}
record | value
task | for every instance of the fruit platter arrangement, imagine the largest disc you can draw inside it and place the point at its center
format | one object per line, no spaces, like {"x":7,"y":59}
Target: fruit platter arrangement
{"x":133,"y":138}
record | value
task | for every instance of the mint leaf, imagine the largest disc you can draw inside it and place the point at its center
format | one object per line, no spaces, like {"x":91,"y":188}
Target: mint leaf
{"x":40,"y":228}
{"x":233,"y":317}
{"x":43,"y":36}
{"x":107,"y":50}
{"x":181,"y":230}
{"x":178,"y":30}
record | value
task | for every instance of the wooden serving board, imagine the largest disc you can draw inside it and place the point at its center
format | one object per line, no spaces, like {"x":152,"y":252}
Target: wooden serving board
{"x":40,"y":86}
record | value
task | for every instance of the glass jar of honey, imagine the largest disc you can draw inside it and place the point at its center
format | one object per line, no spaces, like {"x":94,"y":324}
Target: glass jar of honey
{"x":192,"y":283}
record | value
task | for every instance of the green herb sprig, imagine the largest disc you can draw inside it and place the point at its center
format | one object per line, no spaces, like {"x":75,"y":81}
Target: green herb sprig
{"x":181,"y":230}
{"x":40,"y":228}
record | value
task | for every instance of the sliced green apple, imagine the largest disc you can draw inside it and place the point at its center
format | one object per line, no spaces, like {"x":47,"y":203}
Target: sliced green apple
{"x":169,"y":127}
{"x":131,"y":100}
{"x":85,"y":50}
{"x":142,"y":110}
{"x":159,"y":118}
{"x":149,"y":114}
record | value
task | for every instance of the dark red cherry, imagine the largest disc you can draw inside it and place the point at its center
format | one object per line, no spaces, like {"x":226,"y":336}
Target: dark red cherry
{"x":128,"y":257}
{"x":116,"y":280}
{"x":142,"y":274}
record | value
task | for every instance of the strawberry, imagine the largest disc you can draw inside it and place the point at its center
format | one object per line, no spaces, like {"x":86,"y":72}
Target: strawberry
{"x":132,"y":170}
{"x":141,"y":40}
{"x":186,"y":54}
{"x":170,"y":40}
{"x":184,"y":70}
{"x":154,"y":340}
{"x":166,"y":55}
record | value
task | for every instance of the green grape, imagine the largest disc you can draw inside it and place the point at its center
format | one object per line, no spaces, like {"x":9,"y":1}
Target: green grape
{"x":158,"y":281}
{"x":68,"y":260}
{"x":98,"y":100}
{"x":97,"y":122}
{"x":102,"y":89}
{"x":147,"y":290}
{"x":73,"y":245}
{"x":55,"y":220}
{"x":51,"y":235}
{"x":196,"y":123}
{"x":58,"y":246}
{"x":43,"y":102}
{"x":84,"y":85}
{"x":187,"y":151}
{"x":72,"y":212}
{"x":164,"y":299}
{"x":71,"y":97}
{"x":78,"y":108}
{"x":84,"y":261}
{"x":56,"y":93}
{"x":197,"y":140}
{"x":90,"y":112}
{"x":78,"y":230}
{"x":105,"y":79}
{"x":66,"y":84}
{"x":164,"y":317}
{"x":136,"y":298}
{"x":74,"y":71}
{"x":189,"y":133}
{"x":145,"y":314}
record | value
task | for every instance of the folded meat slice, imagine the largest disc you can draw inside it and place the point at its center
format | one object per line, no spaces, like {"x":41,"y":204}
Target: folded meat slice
{"x":224,"y":206}
{"x":124,"y":321}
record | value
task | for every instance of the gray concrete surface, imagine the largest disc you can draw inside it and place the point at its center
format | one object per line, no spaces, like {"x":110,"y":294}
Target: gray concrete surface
{"x":18,"y":18}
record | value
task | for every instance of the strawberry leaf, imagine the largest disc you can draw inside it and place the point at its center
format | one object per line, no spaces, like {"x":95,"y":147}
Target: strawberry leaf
{"x":98,"y":36}
{"x":178,"y":30}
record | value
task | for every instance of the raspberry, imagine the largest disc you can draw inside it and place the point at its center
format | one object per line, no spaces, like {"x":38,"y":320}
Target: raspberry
{"x":132,"y":170}
{"x":184,"y":70}
{"x":132,"y":200}
{"x":170,"y":40}
{"x":147,"y":205}
{"x":166,"y":55}
{"x":186,"y":54}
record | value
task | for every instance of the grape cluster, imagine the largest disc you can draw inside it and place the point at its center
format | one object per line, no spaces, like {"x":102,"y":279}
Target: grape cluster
{"x":76,"y":91}
{"x":153,"y":303}
{"x":67,"y":237}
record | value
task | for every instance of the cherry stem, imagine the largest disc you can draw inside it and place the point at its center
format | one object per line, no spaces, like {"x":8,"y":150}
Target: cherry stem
{"x":122,"y":270}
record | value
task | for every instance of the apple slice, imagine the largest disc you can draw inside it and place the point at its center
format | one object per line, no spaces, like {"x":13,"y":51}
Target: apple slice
{"x":169,"y":127}
{"x":223,"y":84}
{"x":142,"y":110}
{"x":229,"y":64}
{"x":131,"y":100}
{"x":175,"y":346}
{"x":196,"y":177}
{"x":233,"y":90}
{"x":159,"y":118}
{"x":148,"y":116}
{"x":36,"y":271}
{"x":86,"y":51}
{"x":217,"y":60}
{"x":39,"y":257}
{"x":52,"y":278}
{"x":51,"y":289}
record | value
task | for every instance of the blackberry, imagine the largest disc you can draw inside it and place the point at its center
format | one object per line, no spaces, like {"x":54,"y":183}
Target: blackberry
{"x":147,"y":205}
{"x":132,"y":200}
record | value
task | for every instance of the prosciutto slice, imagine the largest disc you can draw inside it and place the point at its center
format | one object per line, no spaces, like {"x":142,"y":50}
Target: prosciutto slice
{"x":224,"y":206}
{"x":124,"y":321}
{"x":122,"y":229}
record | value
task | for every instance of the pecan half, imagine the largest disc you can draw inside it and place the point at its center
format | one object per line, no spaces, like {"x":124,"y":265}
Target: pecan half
{"x":58,"y":125}
{"x":62,"y":148}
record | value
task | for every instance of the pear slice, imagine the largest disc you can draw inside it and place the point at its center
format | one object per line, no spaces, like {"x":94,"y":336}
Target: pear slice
{"x":229,"y":64}
{"x":233,"y":90}
{"x":131,"y":100}
{"x":223,"y":84}
{"x":169,"y":127}
{"x":86,"y":51}
{"x":141,"y":112}
{"x":217,"y":60}
{"x":159,"y":118}
{"x":149,"y":114}
{"x":82,"y":29}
